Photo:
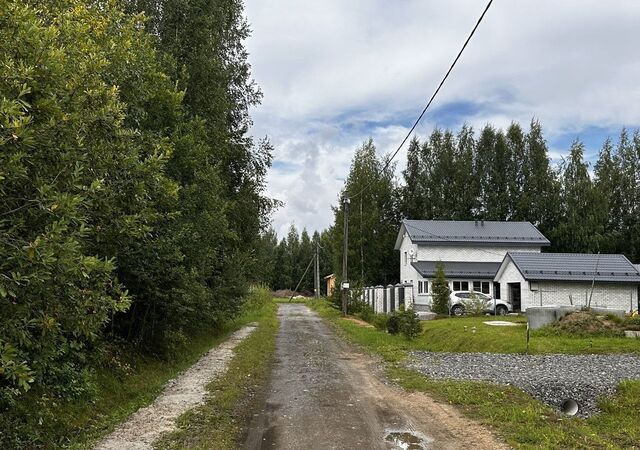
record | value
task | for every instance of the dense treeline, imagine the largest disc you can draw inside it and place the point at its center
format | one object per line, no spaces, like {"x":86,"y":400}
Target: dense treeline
{"x":131,"y":195}
{"x":492,"y":175}
{"x":284,"y":261}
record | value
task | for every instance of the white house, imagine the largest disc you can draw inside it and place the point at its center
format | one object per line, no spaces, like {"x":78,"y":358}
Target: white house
{"x":471,"y":252}
{"x":541,"y":279}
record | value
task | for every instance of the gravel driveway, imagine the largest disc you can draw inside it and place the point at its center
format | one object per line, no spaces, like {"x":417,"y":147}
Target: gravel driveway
{"x":549,"y":378}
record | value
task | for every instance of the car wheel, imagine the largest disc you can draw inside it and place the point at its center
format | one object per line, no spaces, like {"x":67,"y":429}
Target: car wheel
{"x":457,"y":310}
{"x":501,"y":310}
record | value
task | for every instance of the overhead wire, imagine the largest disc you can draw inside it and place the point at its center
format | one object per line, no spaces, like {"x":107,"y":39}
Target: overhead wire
{"x":433,"y":96}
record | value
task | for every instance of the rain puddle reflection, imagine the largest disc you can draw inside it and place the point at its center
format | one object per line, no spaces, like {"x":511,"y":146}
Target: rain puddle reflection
{"x":407,"y":440}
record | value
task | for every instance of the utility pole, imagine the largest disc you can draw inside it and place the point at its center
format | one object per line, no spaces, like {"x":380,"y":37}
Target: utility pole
{"x":345,"y":283}
{"x":317,"y":277}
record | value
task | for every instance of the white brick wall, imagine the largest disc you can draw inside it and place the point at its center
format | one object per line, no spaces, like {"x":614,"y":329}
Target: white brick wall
{"x":609,"y":295}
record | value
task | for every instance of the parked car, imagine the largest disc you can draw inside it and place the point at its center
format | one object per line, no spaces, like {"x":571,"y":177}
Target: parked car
{"x":459,"y":301}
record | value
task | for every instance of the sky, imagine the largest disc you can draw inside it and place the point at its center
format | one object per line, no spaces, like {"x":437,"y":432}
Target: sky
{"x":335,"y":73}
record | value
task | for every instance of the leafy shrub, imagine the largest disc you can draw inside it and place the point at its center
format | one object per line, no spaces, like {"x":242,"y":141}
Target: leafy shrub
{"x":632,"y":323}
{"x":394,"y":323}
{"x":367,"y":313}
{"x":410,"y":325}
{"x":380,"y":321}
{"x":474,"y":306}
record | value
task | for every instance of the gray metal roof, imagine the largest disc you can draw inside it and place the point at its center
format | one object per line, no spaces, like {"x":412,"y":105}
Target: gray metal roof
{"x":480,"y":232}
{"x":468,"y":270}
{"x":575,"y":267}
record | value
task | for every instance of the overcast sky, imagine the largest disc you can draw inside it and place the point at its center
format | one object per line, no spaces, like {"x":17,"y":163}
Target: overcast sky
{"x":336,"y":72}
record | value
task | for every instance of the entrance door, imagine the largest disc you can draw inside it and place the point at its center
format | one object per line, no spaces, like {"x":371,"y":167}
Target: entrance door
{"x":515,"y":296}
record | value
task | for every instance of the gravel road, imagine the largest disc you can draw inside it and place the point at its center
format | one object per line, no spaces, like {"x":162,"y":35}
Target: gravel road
{"x":325,"y":394}
{"x":182,"y":393}
{"x":550,"y":378}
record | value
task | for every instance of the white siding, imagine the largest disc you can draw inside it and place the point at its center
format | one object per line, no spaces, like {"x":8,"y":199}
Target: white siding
{"x":511,"y":274}
{"x":471,"y":252}
{"x":407,"y":273}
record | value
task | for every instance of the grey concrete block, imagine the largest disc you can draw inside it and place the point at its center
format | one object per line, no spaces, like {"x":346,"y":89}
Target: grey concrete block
{"x":540,"y":316}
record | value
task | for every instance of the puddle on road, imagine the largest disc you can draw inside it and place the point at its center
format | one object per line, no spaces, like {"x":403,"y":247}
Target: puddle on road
{"x":407,"y":440}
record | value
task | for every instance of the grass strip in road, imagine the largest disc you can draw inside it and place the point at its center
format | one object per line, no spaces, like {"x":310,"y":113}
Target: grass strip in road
{"x":521,"y":420}
{"x":233,"y":397}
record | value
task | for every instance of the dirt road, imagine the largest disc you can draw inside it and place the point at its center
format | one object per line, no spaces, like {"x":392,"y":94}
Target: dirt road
{"x":325,"y":394}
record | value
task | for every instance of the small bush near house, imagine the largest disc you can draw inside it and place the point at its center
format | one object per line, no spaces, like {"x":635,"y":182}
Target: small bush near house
{"x":410,"y":325}
{"x":440,"y":291}
{"x":367,"y":313}
{"x":380,"y":321}
{"x":632,"y":323}
{"x":394,"y":323}
{"x":474,"y":306}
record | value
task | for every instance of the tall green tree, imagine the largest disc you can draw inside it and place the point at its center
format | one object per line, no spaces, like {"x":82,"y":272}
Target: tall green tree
{"x":578,"y":229}
{"x":540,"y":190}
{"x":373,"y":218}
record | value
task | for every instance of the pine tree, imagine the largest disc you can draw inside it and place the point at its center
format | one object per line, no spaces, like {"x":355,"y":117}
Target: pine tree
{"x":540,"y":192}
{"x":578,"y":228}
{"x":441,"y":292}
{"x":516,"y":172}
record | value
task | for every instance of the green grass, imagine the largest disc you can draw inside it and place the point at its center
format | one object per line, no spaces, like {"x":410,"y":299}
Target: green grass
{"x":522,"y":421}
{"x":81,"y":423}
{"x":456,"y":335}
{"x":233,"y":398}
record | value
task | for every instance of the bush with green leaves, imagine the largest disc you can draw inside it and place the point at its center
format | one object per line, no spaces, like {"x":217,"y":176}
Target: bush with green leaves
{"x":394,"y":323}
{"x":410,"y":325}
{"x":474,"y":305}
{"x":380,"y":321}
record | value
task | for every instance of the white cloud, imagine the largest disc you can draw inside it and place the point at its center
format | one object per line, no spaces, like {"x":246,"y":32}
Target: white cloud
{"x":335,"y":73}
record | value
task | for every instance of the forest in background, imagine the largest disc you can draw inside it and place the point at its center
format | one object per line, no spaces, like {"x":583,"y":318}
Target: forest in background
{"x":491,"y":174}
{"x":131,"y":192}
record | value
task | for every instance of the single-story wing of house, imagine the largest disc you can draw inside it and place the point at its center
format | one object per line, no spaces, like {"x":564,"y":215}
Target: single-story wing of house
{"x":578,"y":279}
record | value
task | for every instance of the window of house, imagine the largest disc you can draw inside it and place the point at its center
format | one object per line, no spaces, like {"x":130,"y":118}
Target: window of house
{"x":460,"y":285}
{"x":423,"y":287}
{"x":406,"y":258}
{"x":496,"y":290}
{"x":481,"y":286}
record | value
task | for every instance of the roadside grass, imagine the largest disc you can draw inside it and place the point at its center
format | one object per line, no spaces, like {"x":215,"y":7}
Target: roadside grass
{"x":521,"y":420}
{"x":81,"y":423}
{"x":234,"y":397}
{"x":293,"y":300}
{"x":457,"y":334}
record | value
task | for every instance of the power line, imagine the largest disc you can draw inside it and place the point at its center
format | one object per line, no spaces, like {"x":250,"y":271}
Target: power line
{"x":435,"y":93}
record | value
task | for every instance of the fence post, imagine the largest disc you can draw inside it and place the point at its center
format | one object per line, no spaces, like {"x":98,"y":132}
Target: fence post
{"x":408,"y":295}
{"x":392,"y":295}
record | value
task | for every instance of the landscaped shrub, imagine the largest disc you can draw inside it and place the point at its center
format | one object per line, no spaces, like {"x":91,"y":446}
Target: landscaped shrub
{"x":410,"y":325}
{"x":394,"y":323}
{"x":366,"y":313}
{"x":632,"y":323}
{"x":440,"y":291}
{"x":380,"y":321}
{"x":474,"y":306}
